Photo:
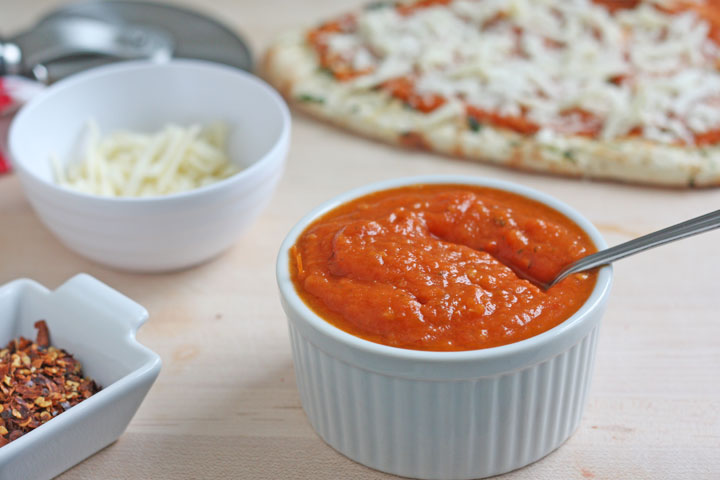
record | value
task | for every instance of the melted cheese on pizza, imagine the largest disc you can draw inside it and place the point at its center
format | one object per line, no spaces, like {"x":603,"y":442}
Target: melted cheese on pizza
{"x":547,"y":68}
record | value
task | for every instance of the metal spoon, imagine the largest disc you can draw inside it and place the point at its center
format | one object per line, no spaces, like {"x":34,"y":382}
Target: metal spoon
{"x":688,"y":228}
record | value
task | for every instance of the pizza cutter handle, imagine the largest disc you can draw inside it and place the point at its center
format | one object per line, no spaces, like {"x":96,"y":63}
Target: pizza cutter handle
{"x":685,"y":229}
{"x":10,"y":58}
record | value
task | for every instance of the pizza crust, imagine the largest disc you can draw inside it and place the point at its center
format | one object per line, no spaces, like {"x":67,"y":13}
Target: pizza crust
{"x":292,"y":67}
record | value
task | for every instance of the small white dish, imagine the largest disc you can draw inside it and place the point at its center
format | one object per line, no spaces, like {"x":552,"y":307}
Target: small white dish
{"x":97,"y":325}
{"x":154,"y":233}
{"x":443,"y":415}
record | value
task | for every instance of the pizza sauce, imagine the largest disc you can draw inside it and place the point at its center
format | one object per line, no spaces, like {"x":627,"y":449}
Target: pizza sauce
{"x":432,"y":267}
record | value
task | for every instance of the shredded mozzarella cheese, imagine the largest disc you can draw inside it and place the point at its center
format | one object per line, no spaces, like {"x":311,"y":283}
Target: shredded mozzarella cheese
{"x":128,"y":164}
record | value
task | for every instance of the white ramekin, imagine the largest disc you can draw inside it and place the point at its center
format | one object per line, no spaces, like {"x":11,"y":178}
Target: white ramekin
{"x":163,"y":232}
{"x":443,"y":415}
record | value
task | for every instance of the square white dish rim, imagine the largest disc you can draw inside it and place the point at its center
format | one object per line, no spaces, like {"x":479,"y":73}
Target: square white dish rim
{"x":150,"y":366}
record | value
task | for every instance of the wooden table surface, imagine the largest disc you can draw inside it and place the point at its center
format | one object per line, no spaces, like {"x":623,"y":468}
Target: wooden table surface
{"x":226,"y":405}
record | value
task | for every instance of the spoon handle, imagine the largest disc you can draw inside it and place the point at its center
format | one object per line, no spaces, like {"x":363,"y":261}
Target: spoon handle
{"x":687,"y":228}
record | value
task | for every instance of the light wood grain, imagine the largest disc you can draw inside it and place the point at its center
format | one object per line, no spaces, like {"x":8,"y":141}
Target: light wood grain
{"x":226,"y":404}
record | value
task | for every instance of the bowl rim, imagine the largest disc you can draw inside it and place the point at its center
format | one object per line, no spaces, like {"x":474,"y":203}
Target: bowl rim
{"x":541,"y":341}
{"x":58,"y":88}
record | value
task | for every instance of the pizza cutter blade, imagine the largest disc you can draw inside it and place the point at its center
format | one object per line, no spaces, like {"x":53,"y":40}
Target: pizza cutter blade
{"x":82,"y":36}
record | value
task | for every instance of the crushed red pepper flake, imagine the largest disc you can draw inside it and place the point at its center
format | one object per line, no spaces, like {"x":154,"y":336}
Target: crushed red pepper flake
{"x":37,"y":383}
{"x":43,"y":334}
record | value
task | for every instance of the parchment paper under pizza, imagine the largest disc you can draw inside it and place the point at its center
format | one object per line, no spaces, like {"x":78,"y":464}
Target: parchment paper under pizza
{"x":624,"y":90}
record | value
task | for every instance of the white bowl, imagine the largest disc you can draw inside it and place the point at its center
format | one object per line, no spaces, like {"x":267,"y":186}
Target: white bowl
{"x":443,"y":415}
{"x":97,"y":325}
{"x":157,"y":233}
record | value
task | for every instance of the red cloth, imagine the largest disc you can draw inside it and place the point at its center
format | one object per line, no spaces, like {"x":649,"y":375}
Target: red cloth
{"x":14,"y":91}
{"x":5,"y":102}
{"x":4,"y":164}
{"x":5,"y":99}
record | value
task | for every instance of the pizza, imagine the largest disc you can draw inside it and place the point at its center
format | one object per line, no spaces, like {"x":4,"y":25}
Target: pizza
{"x":625,"y":90}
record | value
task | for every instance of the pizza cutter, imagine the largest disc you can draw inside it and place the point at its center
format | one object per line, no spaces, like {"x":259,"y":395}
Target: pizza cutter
{"x":78,"y":37}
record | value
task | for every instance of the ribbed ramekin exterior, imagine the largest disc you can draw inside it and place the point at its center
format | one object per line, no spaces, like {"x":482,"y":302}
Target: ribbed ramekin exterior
{"x":443,"y":415}
{"x":448,"y":429}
